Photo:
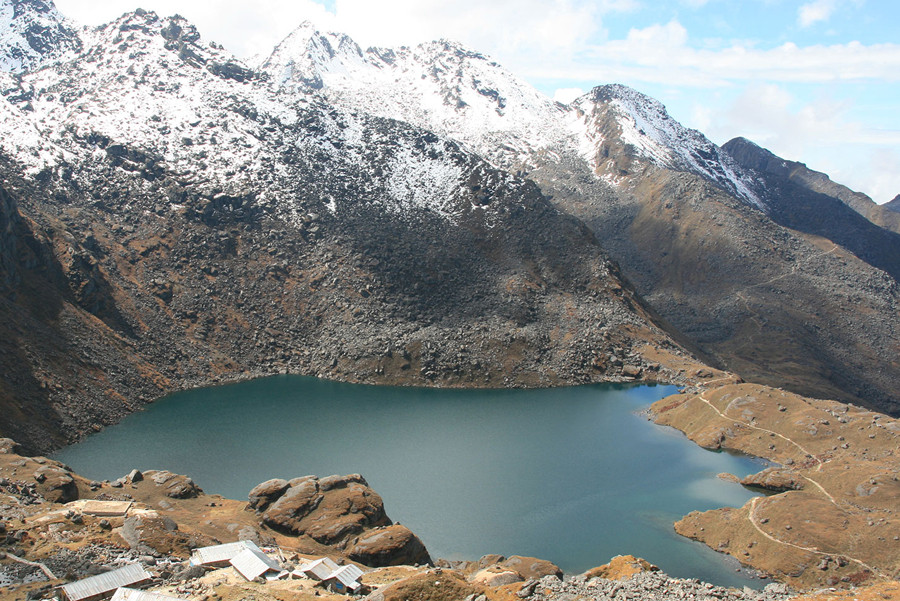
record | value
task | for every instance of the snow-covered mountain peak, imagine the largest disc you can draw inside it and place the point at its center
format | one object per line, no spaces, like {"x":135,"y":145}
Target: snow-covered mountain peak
{"x":442,"y":86}
{"x":33,"y":32}
{"x":307,"y":52}
{"x":650,"y":133}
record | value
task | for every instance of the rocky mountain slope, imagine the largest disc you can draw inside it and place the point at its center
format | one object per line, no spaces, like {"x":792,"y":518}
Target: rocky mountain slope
{"x":731,"y":261}
{"x":894,"y":204}
{"x":772,"y":275}
{"x":172,"y":222}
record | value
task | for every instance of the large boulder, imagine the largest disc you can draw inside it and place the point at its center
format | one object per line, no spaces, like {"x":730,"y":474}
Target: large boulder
{"x":9,"y":447}
{"x":531,"y":568}
{"x":330,"y":510}
{"x":149,"y":533}
{"x":389,"y":546}
{"x":55,"y":484}
{"x":175,"y":486}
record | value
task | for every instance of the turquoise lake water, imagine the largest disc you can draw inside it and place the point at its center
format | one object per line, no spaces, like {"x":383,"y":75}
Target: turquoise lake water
{"x":572,"y":475}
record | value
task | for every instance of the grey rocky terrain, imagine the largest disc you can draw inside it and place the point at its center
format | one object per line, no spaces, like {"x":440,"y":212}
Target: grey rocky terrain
{"x":646,"y":585}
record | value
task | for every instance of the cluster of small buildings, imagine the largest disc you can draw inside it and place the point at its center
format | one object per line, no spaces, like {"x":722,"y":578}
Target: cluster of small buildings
{"x":246,"y":558}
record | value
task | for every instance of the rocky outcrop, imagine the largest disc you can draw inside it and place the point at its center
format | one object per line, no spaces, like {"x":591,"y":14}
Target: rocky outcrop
{"x":340,"y":511}
{"x":55,"y":483}
{"x":264,"y":494}
{"x":775,"y":479}
{"x":150,"y":533}
{"x":387,"y":546}
{"x":621,"y":567}
{"x":174,"y":486}
{"x":330,"y":511}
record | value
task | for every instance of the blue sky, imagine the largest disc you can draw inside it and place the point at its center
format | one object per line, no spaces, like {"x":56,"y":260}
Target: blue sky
{"x":816,"y":81}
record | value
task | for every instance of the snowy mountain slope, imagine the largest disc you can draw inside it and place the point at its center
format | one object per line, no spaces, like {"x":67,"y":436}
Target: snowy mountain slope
{"x":441,"y":86}
{"x":156,"y":99}
{"x":32,"y":33}
{"x":461,"y":94}
{"x":648,"y":132}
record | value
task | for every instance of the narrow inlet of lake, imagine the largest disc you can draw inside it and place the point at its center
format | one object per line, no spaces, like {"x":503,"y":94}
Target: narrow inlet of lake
{"x":573,"y":475}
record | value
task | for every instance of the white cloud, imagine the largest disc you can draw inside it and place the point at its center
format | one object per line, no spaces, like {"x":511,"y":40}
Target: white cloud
{"x":663,"y":54}
{"x":813,"y":12}
{"x":567,"y":95}
{"x":499,"y":27}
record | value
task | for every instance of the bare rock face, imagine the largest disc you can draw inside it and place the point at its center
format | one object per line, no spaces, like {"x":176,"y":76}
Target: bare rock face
{"x":390,"y":545}
{"x":774,"y":479}
{"x":175,"y":485}
{"x":329,"y":510}
{"x":266,"y":493}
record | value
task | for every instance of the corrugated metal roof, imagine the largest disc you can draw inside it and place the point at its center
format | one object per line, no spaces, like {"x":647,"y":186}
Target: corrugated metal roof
{"x":347,"y":575}
{"x":106,"y":583}
{"x":220,"y":553}
{"x":319,"y":569}
{"x":130,"y":594}
{"x":350,"y":571}
{"x":251,"y":563}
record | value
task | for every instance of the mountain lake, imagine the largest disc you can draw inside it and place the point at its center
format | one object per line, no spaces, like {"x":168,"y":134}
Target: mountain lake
{"x":573,"y":475}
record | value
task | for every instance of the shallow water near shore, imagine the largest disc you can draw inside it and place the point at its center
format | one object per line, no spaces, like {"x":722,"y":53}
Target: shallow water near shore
{"x":573,"y":475}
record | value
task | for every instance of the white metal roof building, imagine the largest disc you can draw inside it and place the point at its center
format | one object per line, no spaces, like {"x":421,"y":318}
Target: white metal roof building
{"x":348,"y":576}
{"x":251,"y":563}
{"x":319,"y":569}
{"x":103,"y":584}
{"x":220,"y":554}
{"x":130,"y":594}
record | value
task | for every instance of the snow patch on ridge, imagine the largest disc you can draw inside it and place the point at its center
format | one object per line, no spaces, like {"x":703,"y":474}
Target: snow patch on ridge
{"x":441,"y":86}
{"x":418,"y":182}
{"x":647,"y":127}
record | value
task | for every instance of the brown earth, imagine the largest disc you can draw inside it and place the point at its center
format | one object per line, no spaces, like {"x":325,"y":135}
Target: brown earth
{"x":843,"y":526}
